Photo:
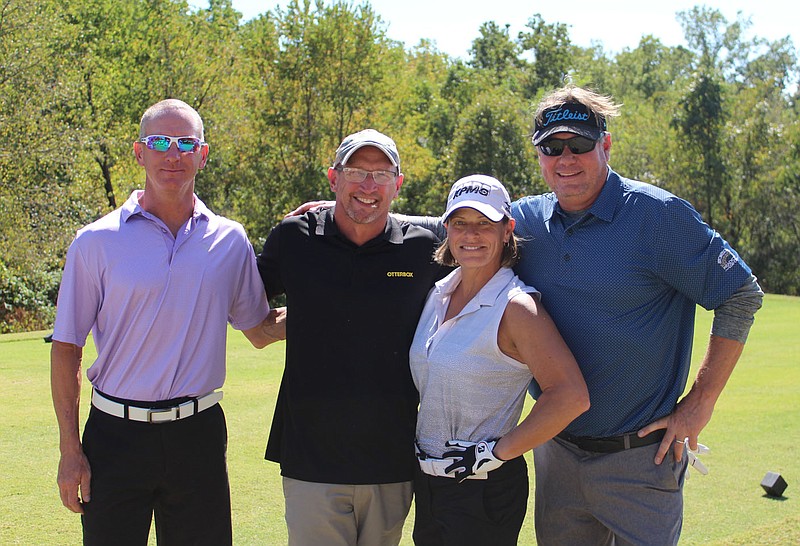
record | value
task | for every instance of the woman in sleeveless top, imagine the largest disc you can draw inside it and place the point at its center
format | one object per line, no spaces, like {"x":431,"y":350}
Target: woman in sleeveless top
{"x":483,"y":336}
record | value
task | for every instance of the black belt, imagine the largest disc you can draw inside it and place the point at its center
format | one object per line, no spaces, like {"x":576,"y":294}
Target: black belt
{"x":613,"y":444}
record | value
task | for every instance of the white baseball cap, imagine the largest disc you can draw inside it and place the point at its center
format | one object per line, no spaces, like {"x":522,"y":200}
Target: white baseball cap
{"x":367,"y":137}
{"x":482,"y":193}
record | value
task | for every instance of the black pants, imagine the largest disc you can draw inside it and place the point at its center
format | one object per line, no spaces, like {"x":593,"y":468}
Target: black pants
{"x":489,"y":511}
{"x":176,"y":470}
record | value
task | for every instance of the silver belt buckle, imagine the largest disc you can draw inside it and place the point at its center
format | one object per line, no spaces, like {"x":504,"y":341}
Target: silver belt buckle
{"x":187,"y":409}
{"x":173,"y":413}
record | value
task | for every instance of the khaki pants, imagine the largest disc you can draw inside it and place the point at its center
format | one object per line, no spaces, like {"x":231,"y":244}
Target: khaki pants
{"x":345,"y":515}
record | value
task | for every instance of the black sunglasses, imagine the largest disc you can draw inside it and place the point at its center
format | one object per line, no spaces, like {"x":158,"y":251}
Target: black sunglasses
{"x":577,"y":145}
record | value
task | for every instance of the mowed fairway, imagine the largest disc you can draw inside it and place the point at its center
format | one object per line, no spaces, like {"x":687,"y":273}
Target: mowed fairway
{"x":755,"y":429}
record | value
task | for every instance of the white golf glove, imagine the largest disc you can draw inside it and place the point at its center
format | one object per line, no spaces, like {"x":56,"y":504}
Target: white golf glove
{"x":694,"y":462}
{"x":471,"y":458}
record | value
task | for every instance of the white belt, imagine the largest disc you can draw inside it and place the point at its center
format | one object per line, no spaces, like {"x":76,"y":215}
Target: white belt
{"x":435,"y":467}
{"x":155,"y":415}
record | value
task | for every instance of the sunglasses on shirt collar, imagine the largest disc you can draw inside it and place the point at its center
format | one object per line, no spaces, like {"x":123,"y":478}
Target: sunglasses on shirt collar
{"x":161,"y":143}
{"x":577,"y":145}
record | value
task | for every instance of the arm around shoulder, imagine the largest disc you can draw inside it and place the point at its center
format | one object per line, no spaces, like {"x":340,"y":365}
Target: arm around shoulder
{"x":271,"y":329}
{"x":431,"y":223}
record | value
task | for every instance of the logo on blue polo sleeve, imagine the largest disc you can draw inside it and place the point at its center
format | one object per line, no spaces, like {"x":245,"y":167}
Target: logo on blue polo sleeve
{"x":727,"y":259}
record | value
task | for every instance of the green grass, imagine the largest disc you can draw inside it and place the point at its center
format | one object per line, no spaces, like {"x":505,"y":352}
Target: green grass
{"x":755,"y":429}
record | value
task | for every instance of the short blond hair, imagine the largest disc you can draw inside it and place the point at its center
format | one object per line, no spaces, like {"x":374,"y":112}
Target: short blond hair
{"x":603,"y":106}
{"x":167,"y":105}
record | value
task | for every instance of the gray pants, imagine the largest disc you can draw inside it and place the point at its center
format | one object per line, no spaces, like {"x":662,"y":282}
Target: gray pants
{"x":345,"y":515}
{"x":586,"y":498}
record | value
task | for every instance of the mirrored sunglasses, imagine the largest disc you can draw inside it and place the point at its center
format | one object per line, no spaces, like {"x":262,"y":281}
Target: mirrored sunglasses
{"x":161,"y":143}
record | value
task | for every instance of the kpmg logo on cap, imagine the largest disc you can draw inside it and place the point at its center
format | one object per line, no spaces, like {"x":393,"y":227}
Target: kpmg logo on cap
{"x":479,"y":188}
{"x":564,"y":114}
{"x":481,"y":192}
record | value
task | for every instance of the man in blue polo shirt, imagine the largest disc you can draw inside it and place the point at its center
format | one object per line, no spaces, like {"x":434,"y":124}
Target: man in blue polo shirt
{"x":621,"y":266}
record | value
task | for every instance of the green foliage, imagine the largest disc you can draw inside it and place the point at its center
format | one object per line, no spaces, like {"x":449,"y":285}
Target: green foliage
{"x":772,"y":223}
{"x":493,"y":138}
{"x":700,"y":120}
{"x":43,"y":197}
{"x":649,"y":72}
{"x":715,"y":122}
{"x":312,"y":74}
{"x":26,"y":303}
{"x":494,"y":52}
{"x":552,"y":51}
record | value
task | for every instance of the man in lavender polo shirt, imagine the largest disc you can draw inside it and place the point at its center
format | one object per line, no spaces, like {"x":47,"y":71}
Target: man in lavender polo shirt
{"x":156,"y":282}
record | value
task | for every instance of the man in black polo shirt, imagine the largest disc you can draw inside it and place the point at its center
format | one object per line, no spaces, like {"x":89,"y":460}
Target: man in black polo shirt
{"x":355,"y":282}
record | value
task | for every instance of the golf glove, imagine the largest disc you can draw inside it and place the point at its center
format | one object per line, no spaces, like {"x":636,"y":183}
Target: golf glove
{"x":694,"y":462}
{"x":471,"y":458}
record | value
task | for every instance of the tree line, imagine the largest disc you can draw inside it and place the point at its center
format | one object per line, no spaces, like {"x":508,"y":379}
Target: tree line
{"x":716,"y":121}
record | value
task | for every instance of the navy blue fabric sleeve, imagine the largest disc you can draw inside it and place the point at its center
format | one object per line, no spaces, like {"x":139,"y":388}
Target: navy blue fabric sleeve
{"x":694,"y":258}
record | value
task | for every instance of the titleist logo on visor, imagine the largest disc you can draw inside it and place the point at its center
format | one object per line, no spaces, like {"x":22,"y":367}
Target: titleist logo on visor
{"x":564,"y":114}
{"x":570,"y":117}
